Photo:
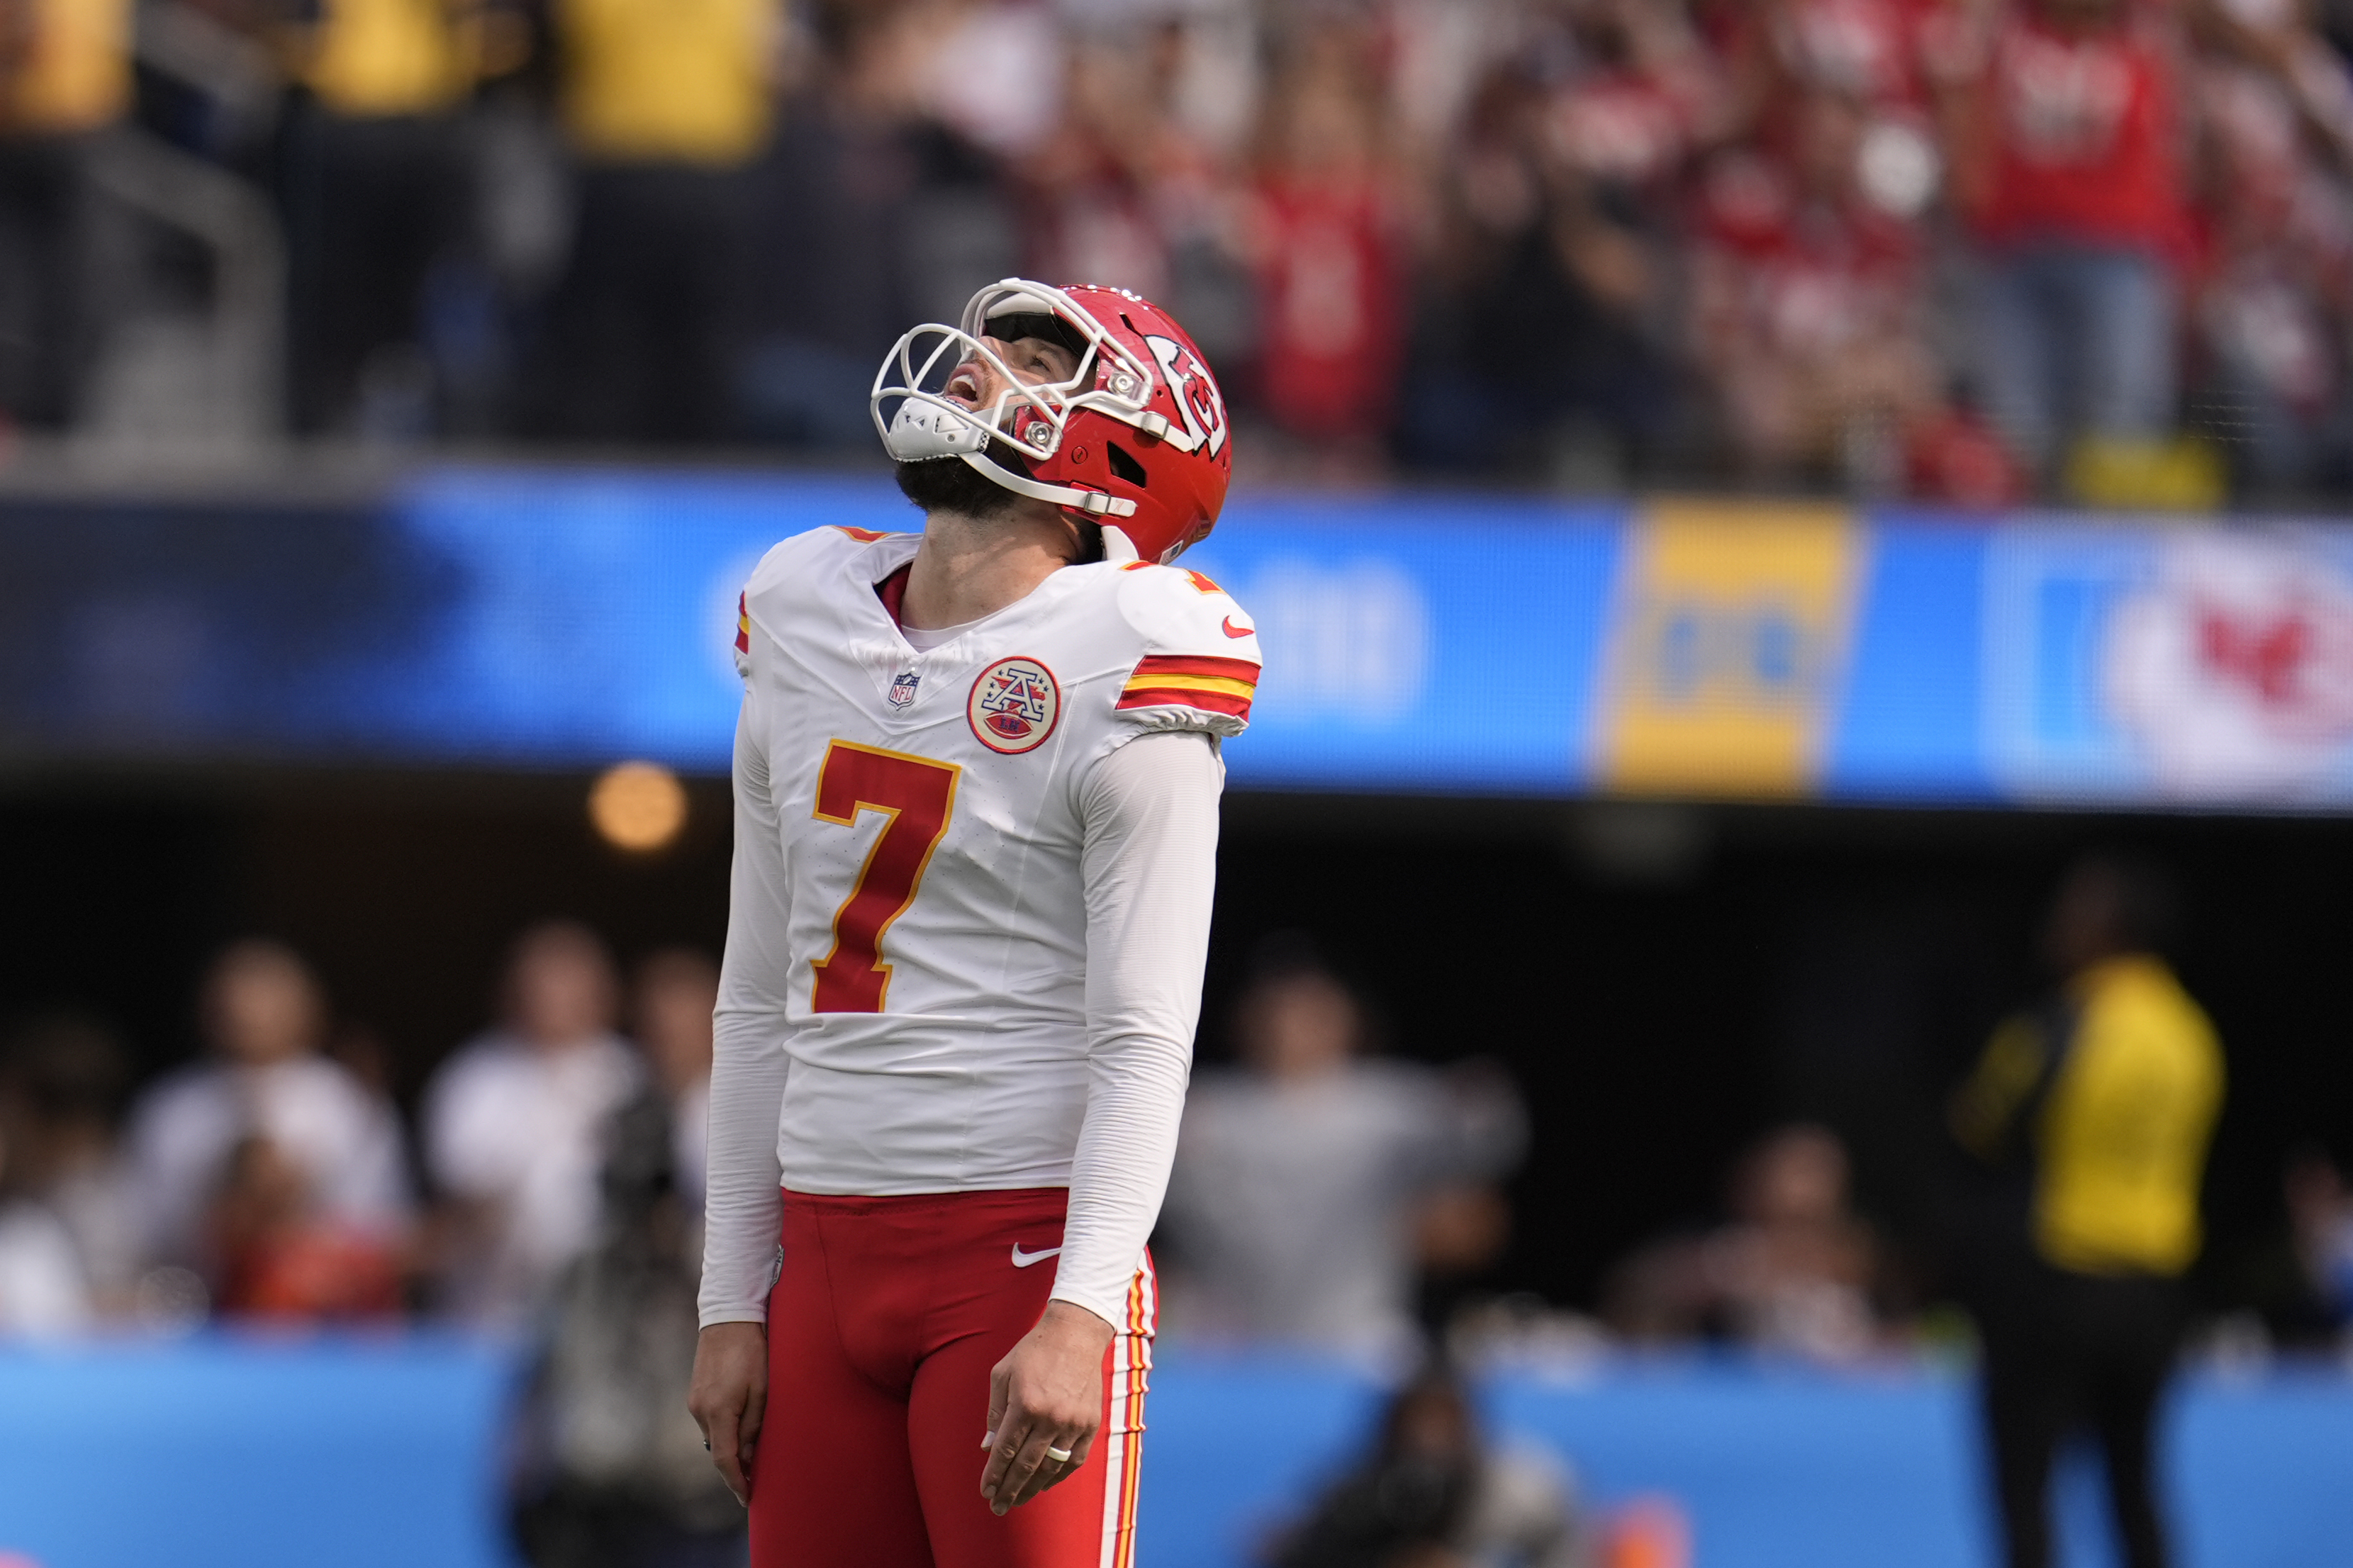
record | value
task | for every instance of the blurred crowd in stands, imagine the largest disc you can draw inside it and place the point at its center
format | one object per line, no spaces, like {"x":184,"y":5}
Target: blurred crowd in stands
{"x":1328,"y":1195}
{"x":550,"y":1186}
{"x":274,"y":1178}
{"x":1327,"y":1192}
{"x":1961,"y":250}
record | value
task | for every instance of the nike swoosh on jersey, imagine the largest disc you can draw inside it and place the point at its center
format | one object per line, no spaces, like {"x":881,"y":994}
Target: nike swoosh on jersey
{"x":1024,"y":1259}
{"x":1232,"y":630}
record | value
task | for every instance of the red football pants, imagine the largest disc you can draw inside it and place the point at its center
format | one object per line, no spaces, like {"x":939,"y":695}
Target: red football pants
{"x":887,"y":1315}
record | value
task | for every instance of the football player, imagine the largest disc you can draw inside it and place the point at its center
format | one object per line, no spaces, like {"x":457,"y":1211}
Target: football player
{"x":976,"y":781}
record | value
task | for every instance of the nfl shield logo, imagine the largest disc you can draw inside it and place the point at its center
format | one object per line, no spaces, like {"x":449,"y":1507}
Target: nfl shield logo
{"x":902,"y":690}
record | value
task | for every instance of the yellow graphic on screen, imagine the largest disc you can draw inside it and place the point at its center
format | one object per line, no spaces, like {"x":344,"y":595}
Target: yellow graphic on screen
{"x":1730,"y":640}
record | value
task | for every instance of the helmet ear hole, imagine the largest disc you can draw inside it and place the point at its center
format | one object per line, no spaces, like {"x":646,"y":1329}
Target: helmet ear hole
{"x":1124,"y":466}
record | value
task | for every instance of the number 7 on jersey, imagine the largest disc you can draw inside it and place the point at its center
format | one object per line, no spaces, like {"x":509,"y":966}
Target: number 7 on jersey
{"x":918,"y":796}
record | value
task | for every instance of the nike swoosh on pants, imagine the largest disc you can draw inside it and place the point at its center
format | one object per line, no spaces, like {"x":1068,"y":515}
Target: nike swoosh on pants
{"x":1024,"y":1259}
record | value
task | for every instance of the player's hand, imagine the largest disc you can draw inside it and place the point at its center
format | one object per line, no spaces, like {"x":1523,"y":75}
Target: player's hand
{"x":730,"y":1398}
{"x":1047,"y":1393}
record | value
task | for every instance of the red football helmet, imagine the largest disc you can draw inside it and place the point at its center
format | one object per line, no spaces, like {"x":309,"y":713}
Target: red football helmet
{"x":1135,"y":440}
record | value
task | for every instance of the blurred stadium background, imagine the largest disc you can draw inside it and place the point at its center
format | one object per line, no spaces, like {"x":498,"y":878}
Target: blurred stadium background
{"x":1700,"y":636}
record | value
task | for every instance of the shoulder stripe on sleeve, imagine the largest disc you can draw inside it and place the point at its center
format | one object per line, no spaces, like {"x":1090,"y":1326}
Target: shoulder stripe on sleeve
{"x":1212,"y":685}
{"x":1156,"y":664}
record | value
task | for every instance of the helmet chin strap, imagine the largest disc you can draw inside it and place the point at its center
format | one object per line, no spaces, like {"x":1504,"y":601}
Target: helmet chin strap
{"x":1094,"y":503}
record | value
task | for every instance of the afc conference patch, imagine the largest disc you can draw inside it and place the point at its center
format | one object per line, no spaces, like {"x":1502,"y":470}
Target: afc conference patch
{"x":902,"y":690}
{"x":1014,"y":706}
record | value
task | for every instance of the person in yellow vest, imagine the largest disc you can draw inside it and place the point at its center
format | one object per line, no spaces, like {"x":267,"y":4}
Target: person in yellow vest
{"x":2098,"y":1108}
{"x":377,"y":192}
{"x":665,"y":104}
{"x":64,"y":78}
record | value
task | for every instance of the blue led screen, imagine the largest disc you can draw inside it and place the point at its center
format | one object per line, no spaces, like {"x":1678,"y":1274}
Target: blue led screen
{"x":549,"y":618}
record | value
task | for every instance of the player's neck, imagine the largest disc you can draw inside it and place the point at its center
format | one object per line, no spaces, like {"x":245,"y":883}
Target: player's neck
{"x":968,"y":568}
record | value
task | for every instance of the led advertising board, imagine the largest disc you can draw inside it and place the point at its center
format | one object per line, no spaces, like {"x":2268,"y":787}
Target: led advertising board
{"x":544,"y":618}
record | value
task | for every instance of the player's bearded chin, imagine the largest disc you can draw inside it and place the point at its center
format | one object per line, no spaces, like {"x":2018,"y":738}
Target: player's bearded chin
{"x":951,"y":484}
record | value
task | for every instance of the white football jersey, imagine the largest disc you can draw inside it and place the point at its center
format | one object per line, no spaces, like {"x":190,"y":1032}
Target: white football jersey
{"x":935,"y":1016}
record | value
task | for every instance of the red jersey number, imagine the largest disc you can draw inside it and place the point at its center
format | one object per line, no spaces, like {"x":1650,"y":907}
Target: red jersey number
{"x":918,"y":796}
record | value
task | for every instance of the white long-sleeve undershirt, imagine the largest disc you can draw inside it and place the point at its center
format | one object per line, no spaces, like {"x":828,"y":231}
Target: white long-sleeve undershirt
{"x":1148,"y":860}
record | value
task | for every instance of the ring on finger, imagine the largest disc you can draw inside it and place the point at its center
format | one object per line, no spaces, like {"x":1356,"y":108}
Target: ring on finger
{"x":1060,"y":1456}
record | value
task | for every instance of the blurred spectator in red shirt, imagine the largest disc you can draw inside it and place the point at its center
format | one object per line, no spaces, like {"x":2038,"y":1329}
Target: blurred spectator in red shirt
{"x":264,"y":1017}
{"x":277,"y":1256}
{"x":1769,"y":53}
{"x":1843,"y":110}
{"x":1881,"y":57}
{"x":1635,"y":93}
{"x":1140,"y":184}
{"x":1878,"y":52}
{"x":2068,"y":148}
{"x":1810,"y":307}
{"x":2276,"y":275}
{"x":1091,"y":182}
{"x":1326,"y":236}
{"x":1544,"y":332}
